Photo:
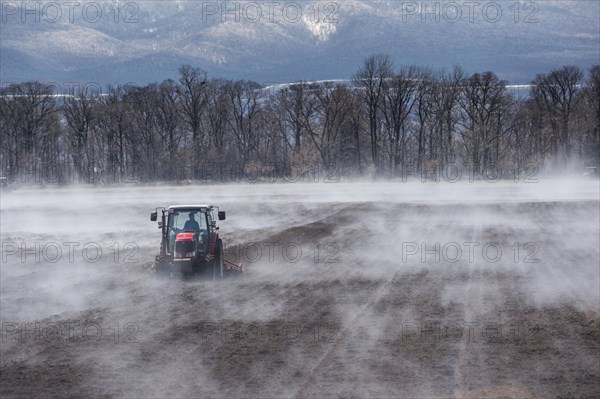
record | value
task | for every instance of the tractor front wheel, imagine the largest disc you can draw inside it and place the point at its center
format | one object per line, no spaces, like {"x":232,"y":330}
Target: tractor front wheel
{"x":161,"y":265}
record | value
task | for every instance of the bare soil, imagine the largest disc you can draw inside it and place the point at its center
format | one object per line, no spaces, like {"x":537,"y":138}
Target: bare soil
{"x":353,"y":316}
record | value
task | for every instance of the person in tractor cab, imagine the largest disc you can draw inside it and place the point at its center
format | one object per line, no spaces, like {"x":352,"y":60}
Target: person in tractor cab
{"x":191,"y":224}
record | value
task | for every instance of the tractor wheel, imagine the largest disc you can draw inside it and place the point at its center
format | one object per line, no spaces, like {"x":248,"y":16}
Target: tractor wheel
{"x":218,"y":261}
{"x":161,"y":265}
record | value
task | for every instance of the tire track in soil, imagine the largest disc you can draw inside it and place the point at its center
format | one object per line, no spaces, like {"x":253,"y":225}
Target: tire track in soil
{"x":468,"y":357}
{"x":504,"y":365}
{"x":328,"y":357}
{"x":476,"y":358}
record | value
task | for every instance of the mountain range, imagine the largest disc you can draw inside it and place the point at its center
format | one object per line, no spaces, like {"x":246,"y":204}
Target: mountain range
{"x":270,"y":42}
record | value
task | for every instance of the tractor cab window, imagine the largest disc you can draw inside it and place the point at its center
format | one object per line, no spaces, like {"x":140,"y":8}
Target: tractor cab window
{"x":186,"y":221}
{"x":209,"y":219}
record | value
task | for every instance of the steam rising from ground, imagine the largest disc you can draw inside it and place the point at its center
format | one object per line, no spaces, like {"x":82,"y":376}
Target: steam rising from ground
{"x":350,"y":289}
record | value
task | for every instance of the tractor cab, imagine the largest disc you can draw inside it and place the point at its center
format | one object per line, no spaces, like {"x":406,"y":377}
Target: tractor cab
{"x":186,"y":225}
{"x":190,"y":241}
{"x":189,"y":223}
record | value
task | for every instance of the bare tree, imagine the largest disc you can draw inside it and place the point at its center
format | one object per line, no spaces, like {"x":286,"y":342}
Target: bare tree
{"x":424,"y":102}
{"x":218,"y":114}
{"x":483,"y":101}
{"x":194,"y":100}
{"x":28,"y":109}
{"x":557,"y":93}
{"x":114,"y":123}
{"x":588,"y":114}
{"x":168,"y":126}
{"x":294,"y":103}
{"x":592,"y":96}
{"x":80,"y":112}
{"x":333,"y":109}
{"x":445,"y":96}
{"x":371,"y":78}
{"x":397,"y":105}
{"x":245,"y":101}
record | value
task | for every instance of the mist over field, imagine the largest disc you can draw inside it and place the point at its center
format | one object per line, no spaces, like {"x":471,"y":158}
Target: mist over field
{"x":299,"y":199}
{"x":364,"y":289}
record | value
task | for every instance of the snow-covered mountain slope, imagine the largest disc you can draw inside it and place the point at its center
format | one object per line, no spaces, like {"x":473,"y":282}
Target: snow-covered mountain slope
{"x":143,"y":41}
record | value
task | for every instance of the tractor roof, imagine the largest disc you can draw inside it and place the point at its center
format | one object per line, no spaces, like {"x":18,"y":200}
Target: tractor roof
{"x":186,"y":207}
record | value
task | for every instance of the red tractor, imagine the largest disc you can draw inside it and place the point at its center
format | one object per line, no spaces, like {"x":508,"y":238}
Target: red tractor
{"x":190,"y":243}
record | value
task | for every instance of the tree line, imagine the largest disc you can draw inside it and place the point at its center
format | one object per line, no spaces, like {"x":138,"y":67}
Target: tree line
{"x":384,"y":122}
